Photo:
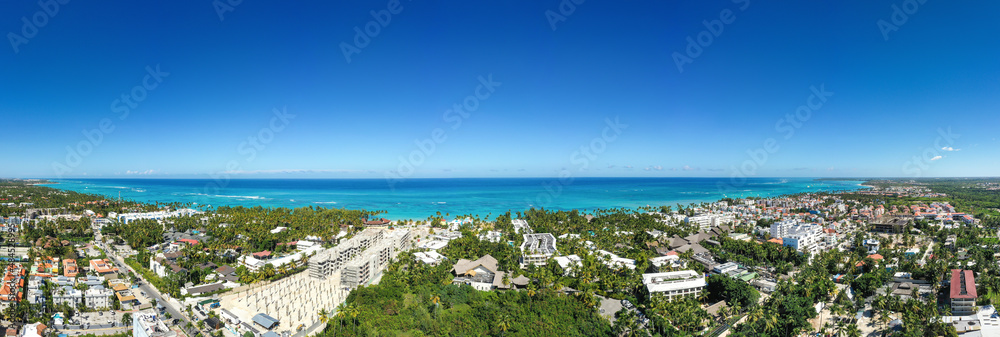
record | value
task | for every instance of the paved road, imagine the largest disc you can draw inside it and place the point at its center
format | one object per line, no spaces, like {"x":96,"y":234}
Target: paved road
{"x":104,"y":331}
{"x":930,"y":248}
{"x":152,"y":293}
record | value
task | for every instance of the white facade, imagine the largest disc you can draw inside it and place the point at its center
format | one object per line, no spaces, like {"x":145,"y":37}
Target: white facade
{"x":538,"y":248}
{"x":726,"y":267}
{"x":613,"y":261}
{"x":67,"y":295}
{"x":158,"y":215}
{"x":706,"y":221}
{"x":521,"y":225}
{"x":156,"y":267}
{"x":568,"y":262}
{"x":779,"y":229}
{"x":98,"y":297}
{"x":147,"y":324}
{"x":805,"y":238}
{"x":664,"y":262}
{"x":674,"y":284}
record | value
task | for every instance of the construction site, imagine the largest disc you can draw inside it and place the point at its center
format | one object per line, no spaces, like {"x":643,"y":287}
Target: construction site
{"x":294,"y":301}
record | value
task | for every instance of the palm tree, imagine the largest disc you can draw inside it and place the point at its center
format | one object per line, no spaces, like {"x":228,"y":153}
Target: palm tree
{"x":324,"y":316}
{"x":126,"y":319}
{"x":852,"y":331}
{"x":503,"y":324}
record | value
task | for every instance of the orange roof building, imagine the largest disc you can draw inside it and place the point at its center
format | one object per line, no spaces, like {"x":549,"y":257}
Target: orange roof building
{"x":103,"y":266}
{"x":12,"y":288}
{"x":69,"y":268}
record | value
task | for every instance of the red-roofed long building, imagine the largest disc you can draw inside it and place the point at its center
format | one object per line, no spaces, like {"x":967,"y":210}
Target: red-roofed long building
{"x":963,"y":292}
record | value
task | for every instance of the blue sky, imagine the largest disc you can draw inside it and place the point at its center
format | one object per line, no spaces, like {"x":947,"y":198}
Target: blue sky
{"x":557,"y":89}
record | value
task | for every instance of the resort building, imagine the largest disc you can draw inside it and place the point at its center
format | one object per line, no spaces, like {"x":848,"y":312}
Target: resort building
{"x":706,"y":221}
{"x":674,"y":284}
{"x":98,"y":297}
{"x":806,"y":238}
{"x":890,"y":225}
{"x":147,"y":324}
{"x":614,"y":261}
{"x":361,"y":257}
{"x":103,"y":267}
{"x":69,"y":268}
{"x":521,"y":225}
{"x":483,"y":274}
{"x":30,"y":330}
{"x":67,"y":295}
{"x":568,"y":262}
{"x":157,"y":215}
{"x":431,"y":257}
{"x":780,"y":229}
{"x":962,"y":292}
{"x":537,"y":249}
{"x":666,"y":262}
{"x":726,"y":267}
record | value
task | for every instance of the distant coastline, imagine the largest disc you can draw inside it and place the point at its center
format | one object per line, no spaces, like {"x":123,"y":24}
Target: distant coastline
{"x":420,"y":198}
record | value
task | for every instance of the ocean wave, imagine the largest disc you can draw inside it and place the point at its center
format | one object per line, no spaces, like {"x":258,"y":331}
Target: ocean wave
{"x":322,"y":202}
{"x":254,"y":197}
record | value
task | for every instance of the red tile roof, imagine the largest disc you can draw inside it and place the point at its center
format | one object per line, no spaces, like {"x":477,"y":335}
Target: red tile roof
{"x":265,"y":253}
{"x":957,"y":286}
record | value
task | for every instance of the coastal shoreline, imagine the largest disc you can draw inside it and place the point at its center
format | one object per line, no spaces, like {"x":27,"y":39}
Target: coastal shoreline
{"x":485,"y":198}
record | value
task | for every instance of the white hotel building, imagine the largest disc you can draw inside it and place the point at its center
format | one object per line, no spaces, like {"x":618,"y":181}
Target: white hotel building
{"x":674,"y":284}
{"x":706,"y":221}
{"x":803,"y":237}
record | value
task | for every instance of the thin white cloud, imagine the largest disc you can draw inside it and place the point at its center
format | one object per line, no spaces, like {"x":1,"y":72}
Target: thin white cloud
{"x":936,"y":158}
{"x":949,"y":149}
{"x":688,"y":168}
{"x":289,"y":171}
{"x":146,"y":172}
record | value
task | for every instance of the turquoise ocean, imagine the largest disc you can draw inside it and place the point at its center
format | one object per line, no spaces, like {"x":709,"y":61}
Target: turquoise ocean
{"x":420,"y":198}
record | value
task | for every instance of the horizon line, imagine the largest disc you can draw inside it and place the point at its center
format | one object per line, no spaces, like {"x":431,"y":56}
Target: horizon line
{"x":531,"y":177}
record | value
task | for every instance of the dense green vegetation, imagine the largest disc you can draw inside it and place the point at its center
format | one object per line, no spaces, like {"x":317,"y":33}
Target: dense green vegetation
{"x":749,"y":253}
{"x":787,"y":311}
{"x":734,"y":292}
{"x":251,"y":227}
{"x":415,"y":300}
{"x":139,"y":234}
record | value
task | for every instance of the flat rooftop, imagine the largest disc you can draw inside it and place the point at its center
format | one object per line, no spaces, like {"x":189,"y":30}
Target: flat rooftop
{"x":543,"y":243}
